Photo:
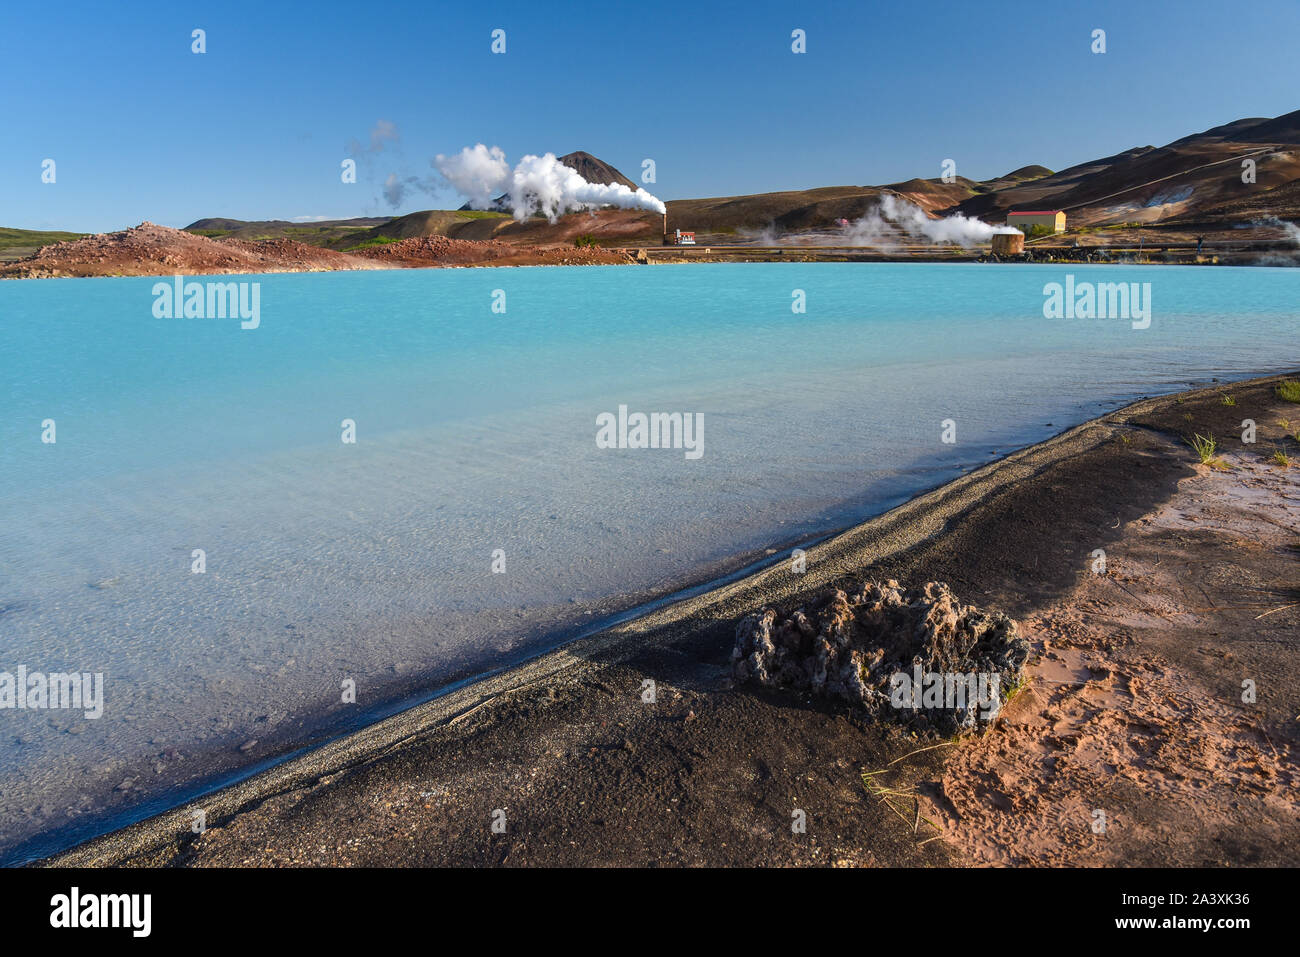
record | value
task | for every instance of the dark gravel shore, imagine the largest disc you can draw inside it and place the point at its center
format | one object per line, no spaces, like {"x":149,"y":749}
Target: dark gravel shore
{"x":576,"y":767}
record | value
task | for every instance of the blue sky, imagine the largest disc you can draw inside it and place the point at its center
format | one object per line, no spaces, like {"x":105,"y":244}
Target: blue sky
{"x":142,"y":128}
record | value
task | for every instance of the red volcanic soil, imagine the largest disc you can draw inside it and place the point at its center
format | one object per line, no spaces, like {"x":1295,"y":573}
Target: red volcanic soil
{"x":152,"y":250}
{"x":621,"y":226}
{"x":441,"y":251}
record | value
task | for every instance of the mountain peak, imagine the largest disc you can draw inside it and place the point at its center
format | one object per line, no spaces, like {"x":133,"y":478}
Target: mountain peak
{"x":590,"y":168}
{"x":594,"y":170}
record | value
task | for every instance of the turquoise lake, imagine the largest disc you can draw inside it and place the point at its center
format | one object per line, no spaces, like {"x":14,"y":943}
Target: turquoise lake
{"x":328,"y":562}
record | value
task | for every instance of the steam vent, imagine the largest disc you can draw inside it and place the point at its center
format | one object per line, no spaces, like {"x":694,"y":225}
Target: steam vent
{"x":1008,"y":244}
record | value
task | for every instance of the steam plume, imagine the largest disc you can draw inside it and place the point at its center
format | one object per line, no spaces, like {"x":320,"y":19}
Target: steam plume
{"x":896,"y":220}
{"x":1292,"y":230}
{"x":476,"y":172}
{"x":537,"y":184}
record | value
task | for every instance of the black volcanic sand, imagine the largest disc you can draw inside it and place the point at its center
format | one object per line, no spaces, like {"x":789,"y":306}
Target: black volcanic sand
{"x":588,"y":773}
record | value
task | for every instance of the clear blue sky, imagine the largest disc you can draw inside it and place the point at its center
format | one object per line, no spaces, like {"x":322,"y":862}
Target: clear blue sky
{"x":255,"y":128}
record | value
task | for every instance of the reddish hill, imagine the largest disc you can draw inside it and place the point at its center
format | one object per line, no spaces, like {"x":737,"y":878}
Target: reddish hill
{"x":441,"y":251}
{"x":152,"y":250}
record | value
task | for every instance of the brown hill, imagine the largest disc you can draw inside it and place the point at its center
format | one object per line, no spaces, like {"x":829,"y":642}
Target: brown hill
{"x":324,"y":233}
{"x":1279,"y":129}
{"x":595,"y":170}
{"x":1150,"y":185}
{"x":455,"y":223}
{"x":1014,"y":178}
{"x":1259,"y":207}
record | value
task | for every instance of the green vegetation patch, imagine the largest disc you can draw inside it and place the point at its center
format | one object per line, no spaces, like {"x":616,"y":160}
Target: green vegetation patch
{"x":376,"y":241}
{"x":1289,"y":391}
{"x":1206,"y":448}
{"x":32,"y":238}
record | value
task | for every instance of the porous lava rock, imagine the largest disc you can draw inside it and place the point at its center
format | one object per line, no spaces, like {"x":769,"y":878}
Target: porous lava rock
{"x":852,"y":645}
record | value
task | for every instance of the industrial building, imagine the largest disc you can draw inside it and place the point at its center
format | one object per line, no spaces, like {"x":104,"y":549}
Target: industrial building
{"x":1053,"y":219}
{"x":1008,"y":244}
{"x":679,"y":238}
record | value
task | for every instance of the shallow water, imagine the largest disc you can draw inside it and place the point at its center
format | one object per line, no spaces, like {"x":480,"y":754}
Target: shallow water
{"x":476,"y":431}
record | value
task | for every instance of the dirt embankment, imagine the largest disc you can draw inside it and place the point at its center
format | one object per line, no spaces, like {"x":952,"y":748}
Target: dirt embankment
{"x":152,"y":250}
{"x":442,"y":251}
{"x":636,"y":746}
{"x":1159,"y":723}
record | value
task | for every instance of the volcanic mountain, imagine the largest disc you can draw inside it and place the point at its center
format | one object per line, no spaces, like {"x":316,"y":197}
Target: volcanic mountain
{"x":595,"y":170}
{"x":590,"y":168}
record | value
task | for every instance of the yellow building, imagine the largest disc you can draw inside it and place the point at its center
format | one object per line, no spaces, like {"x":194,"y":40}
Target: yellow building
{"x":1053,"y":219}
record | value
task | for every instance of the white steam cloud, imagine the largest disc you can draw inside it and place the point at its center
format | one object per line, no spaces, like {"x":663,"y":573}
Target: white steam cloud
{"x":897,"y":220}
{"x":1292,"y":230}
{"x":477,"y":173}
{"x":537,"y":184}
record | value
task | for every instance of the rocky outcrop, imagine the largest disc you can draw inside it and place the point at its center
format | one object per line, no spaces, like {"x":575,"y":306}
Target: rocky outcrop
{"x":854,"y":647}
{"x":153,"y":250}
